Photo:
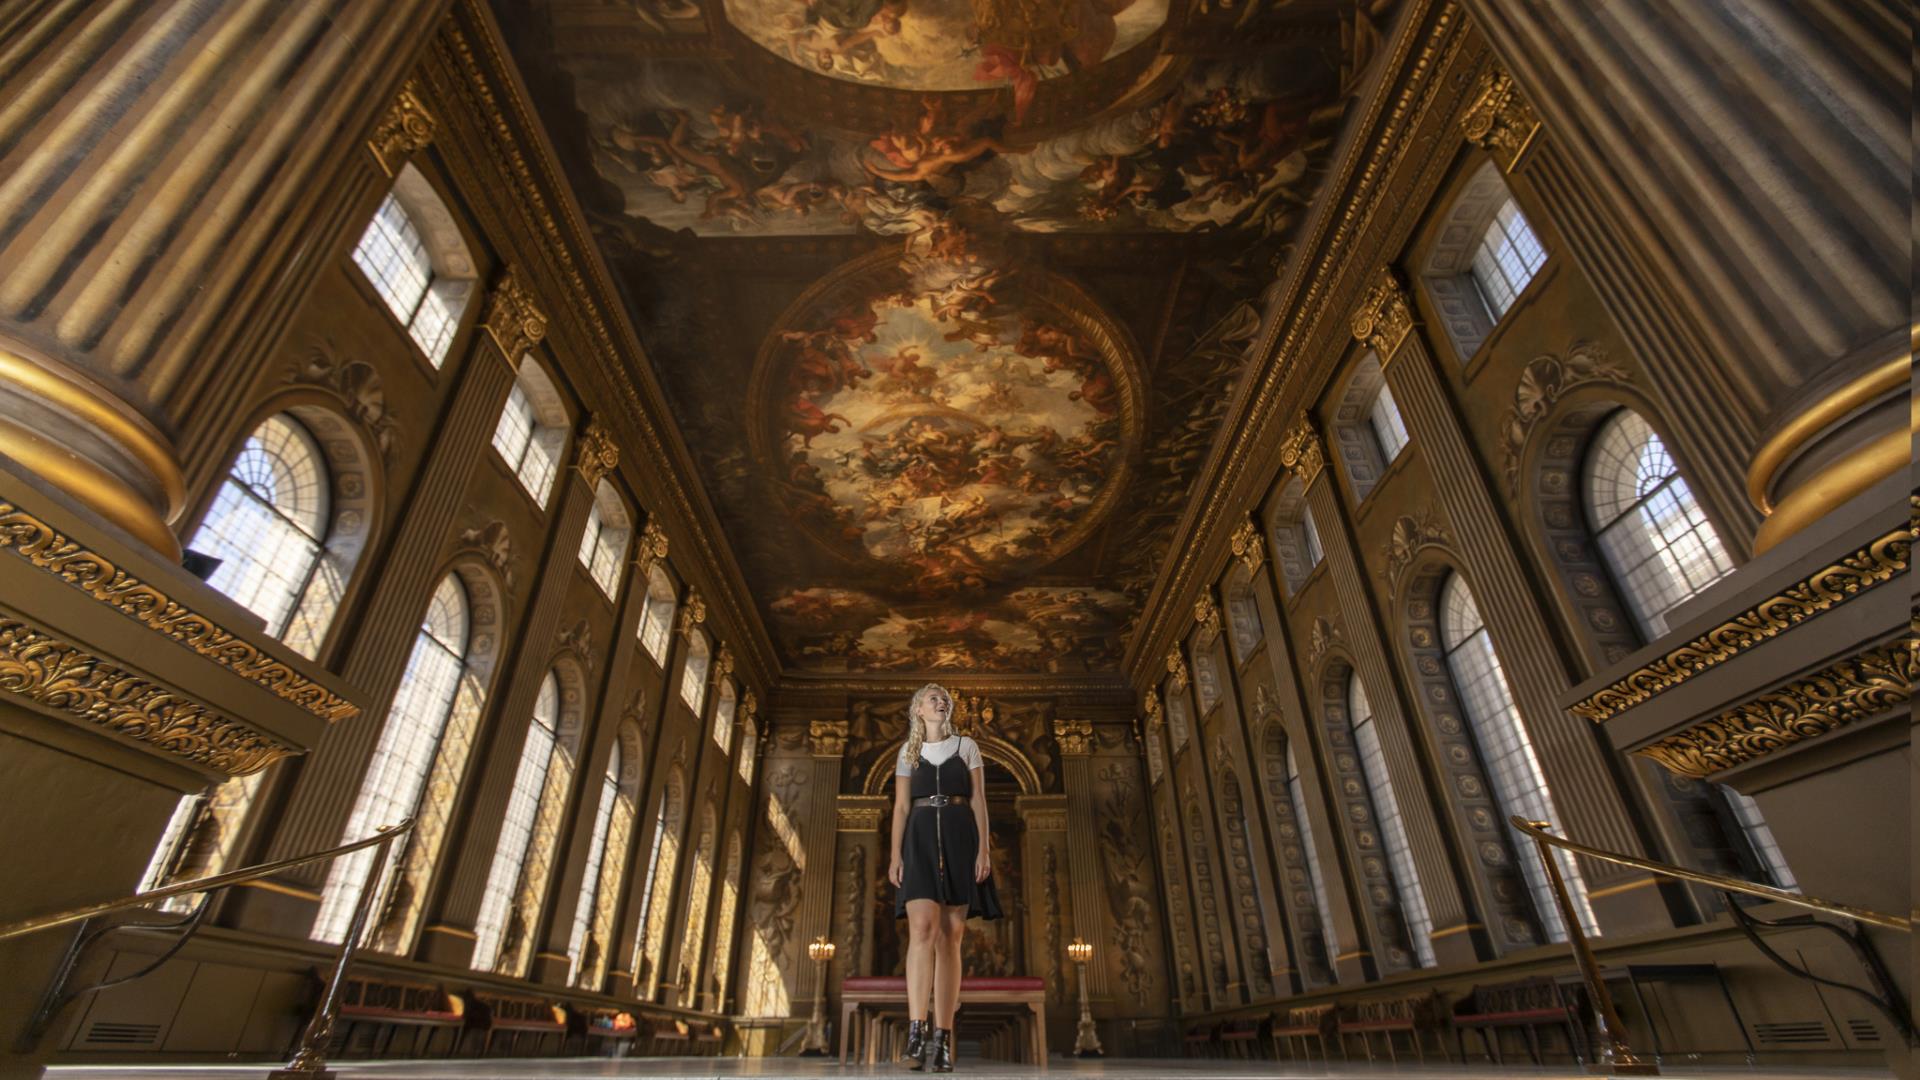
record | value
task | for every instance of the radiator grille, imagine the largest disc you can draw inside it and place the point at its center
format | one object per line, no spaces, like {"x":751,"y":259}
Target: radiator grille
{"x":1862,"y":1031}
{"x":109,"y":1033}
{"x":1791,"y":1033}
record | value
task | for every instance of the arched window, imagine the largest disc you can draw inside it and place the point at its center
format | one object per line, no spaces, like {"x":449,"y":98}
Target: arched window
{"x":656,"y":622}
{"x":397,"y":775}
{"x":604,"y":543}
{"x":1519,"y":783}
{"x":723,"y":924}
{"x":1508,"y":256}
{"x":1206,"y":680}
{"x":749,"y":746}
{"x":1484,"y":257}
{"x":1243,"y":615}
{"x":1393,"y":830}
{"x":590,"y":877}
{"x":693,"y":677}
{"x":700,"y":891}
{"x":268,"y":524}
{"x":415,"y":258}
{"x":1296,"y":795}
{"x":1178,"y":719}
{"x":504,"y":926}
{"x":1366,"y":431}
{"x":532,"y":432}
{"x":663,"y":863}
{"x":1656,"y":540}
{"x":1296,"y":540}
{"x":723,"y":712}
{"x":1389,"y":431}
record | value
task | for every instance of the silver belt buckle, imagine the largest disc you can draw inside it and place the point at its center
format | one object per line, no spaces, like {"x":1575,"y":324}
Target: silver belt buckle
{"x":938,"y":800}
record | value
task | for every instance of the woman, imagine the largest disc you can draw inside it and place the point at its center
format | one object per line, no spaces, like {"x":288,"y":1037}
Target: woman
{"x":940,"y":865}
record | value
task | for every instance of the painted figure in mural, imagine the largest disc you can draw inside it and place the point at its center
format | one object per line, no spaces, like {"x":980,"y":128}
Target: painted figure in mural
{"x":941,"y":867}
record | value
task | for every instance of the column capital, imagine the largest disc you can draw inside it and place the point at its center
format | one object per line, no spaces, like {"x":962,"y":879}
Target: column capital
{"x":405,"y":128}
{"x":828,"y":737}
{"x":1301,"y":451}
{"x":651,"y":549}
{"x":1385,"y":317}
{"x":597,"y":454}
{"x":1177,"y":667}
{"x":1499,"y":120}
{"x":1207,"y":614}
{"x":1075,"y":736}
{"x":693,"y":613}
{"x":1150,"y":704}
{"x":513,"y":318}
{"x":723,"y":665}
{"x":1247,"y":546}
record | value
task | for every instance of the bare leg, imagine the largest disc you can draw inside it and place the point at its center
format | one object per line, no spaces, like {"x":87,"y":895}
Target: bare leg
{"x":923,"y":938}
{"x":946,"y":973}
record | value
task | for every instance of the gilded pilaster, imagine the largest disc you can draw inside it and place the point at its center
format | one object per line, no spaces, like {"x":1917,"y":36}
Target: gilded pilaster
{"x":1075,"y":737}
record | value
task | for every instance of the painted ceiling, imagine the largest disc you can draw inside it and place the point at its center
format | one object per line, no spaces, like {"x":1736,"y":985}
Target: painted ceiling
{"x":948,"y":297}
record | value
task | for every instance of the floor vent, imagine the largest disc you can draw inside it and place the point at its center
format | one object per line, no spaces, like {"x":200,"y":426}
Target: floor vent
{"x":1791,"y":1033}
{"x":1862,"y":1031}
{"x":106,"y":1033}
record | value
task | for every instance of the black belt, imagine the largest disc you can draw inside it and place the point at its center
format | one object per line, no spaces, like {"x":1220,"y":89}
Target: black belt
{"x":941,"y":800}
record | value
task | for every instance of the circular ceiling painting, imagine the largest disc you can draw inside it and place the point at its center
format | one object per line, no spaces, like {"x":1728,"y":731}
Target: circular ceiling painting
{"x":945,"y":415}
{"x":948,"y":44}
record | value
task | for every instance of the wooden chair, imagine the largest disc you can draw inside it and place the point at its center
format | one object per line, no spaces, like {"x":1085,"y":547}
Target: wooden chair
{"x":1527,"y":1004}
{"x":1240,"y":1039}
{"x":1310,"y":1023}
{"x":1413,"y":1015}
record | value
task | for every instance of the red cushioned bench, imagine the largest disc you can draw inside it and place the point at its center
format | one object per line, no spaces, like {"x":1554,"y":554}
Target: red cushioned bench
{"x":870,"y":997}
{"x":1528,"y":1004}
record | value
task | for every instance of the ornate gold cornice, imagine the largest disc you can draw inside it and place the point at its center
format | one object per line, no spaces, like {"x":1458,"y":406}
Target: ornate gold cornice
{"x":693,"y":612}
{"x":1876,"y":681}
{"x":66,"y":678}
{"x":403,"y":129}
{"x":1301,"y":452}
{"x":1499,"y":120}
{"x":1207,"y":614}
{"x":1866,"y":569}
{"x":40,"y":546}
{"x":514,"y":319}
{"x":1075,"y":736}
{"x":1385,"y":317}
{"x":1177,"y":667}
{"x":828,"y":738}
{"x":1247,"y":546}
{"x":597,"y":454}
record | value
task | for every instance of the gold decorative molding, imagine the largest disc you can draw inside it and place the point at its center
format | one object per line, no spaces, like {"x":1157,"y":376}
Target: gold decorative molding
{"x":1247,"y":546}
{"x":651,"y":549}
{"x":1323,"y":636}
{"x":1385,"y":317}
{"x":1867,"y":568}
{"x":693,"y":612}
{"x":514,"y":318}
{"x":36,"y":542}
{"x":1873,"y":682}
{"x":64,"y":677}
{"x":1207,"y":614}
{"x":1848,"y":474}
{"x":1177,"y":667}
{"x":750,"y":711}
{"x":723,"y":665}
{"x":1075,"y":736}
{"x":862,"y":816}
{"x":405,"y":128}
{"x":828,"y":737}
{"x":597,"y":454}
{"x":1150,"y":704}
{"x":1546,"y":379}
{"x":1499,"y":120}
{"x":1410,"y":534}
{"x":1301,"y":451}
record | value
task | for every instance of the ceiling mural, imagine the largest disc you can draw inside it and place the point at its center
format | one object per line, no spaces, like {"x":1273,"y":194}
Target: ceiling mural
{"x":947,"y":296}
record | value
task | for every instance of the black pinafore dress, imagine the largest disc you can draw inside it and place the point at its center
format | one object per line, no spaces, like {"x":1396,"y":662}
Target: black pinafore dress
{"x":938,"y":849}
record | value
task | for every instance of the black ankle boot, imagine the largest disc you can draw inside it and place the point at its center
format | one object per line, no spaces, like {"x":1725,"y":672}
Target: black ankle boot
{"x":916,"y":1044}
{"x":942,"y":1041}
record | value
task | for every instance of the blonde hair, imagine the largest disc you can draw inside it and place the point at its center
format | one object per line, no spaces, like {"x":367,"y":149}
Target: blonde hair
{"x":917,"y":728}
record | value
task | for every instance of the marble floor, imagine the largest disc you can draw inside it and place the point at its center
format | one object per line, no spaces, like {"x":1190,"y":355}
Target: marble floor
{"x":808,"y":1069}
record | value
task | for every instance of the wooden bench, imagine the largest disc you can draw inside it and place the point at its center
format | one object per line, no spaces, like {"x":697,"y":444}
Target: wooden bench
{"x":706,"y":1039}
{"x":1197,"y":1041}
{"x":671,"y":1036}
{"x":1239,"y":1038}
{"x":1527,"y":1004}
{"x":1413,"y":1015}
{"x":495,"y":1013}
{"x":603,"y":1028}
{"x":391,"y":1005}
{"x":1309,"y":1022}
{"x":866,"y":999}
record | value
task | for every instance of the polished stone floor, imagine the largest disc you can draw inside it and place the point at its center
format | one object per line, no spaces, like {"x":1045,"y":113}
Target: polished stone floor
{"x":810,"y":1069}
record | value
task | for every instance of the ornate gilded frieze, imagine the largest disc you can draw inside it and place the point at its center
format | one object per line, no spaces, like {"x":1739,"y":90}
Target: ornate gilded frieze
{"x":64,"y":677}
{"x":1385,"y":316}
{"x":514,"y":318}
{"x":827,"y":738}
{"x":1867,"y":568}
{"x":1247,"y":546}
{"x":1301,"y":451}
{"x":597,"y":454}
{"x":1874,"y":682}
{"x":1499,"y":120}
{"x":1207,"y":614}
{"x":46,"y":549}
{"x":404,"y":129}
{"x":1075,"y":736}
{"x":1541,"y":386}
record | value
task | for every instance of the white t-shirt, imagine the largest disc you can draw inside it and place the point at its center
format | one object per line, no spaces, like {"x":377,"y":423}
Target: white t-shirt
{"x":937,"y":752}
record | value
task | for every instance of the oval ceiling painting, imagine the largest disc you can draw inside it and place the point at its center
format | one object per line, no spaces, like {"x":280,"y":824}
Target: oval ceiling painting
{"x":948,"y":44}
{"x":944,"y":415}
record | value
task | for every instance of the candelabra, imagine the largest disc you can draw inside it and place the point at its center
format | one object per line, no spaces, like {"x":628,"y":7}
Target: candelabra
{"x":1087,"y":1042}
{"x":821,"y":950}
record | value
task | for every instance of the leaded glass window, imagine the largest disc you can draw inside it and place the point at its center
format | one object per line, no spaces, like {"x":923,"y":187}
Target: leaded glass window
{"x":1393,"y":828}
{"x":1389,"y":430}
{"x":516,"y":828}
{"x":1508,"y":257}
{"x":590,"y":878}
{"x":1296,"y":794}
{"x":268,"y":523}
{"x":656,"y":622}
{"x":394,"y":257}
{"x":604,"y":542}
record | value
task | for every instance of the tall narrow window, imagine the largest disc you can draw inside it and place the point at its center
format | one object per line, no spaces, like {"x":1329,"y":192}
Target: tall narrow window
{"x":516,"y":829}
{"x":656,"y":621}
{"x":397,"y":776}
{"x":693,"y":678}
{"x":1766,"y":850}
{"x":1310,"y":538}
{"x":1655,"y":538}
{"x":723,"y":925}
{"x":1389,"y":431}
{"x":1296,"y":542}
{"x":1507,"y":258}
{"x":605,"y":541}
{"x":1296,"y":794}
{"x":663,"y":867}
{"x":1519,"y":783}
{"x":269,"y":521}
{"x":399,"y":261}
{"x":652,"y":878}
{"x":1393,"y":829}
{"x":532,"y":431}
{"x":590,"y":878}
{"x":723,"y":712}
{"x":749,"y":745}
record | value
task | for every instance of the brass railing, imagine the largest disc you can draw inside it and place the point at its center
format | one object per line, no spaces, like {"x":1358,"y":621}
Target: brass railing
{"x":310,"y":1060}
{"x":1615,"y":1054}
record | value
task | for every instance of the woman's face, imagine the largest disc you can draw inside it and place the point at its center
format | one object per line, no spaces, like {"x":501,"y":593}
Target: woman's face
{"x":935,"y":712}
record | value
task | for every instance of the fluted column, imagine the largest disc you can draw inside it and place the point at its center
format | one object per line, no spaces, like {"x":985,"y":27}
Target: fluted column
{"x":1430,"y":848}
{"x":1183,"y":963}
{"x":1583,"y":783}
{"x":1193,"y":809}
{"x":1083,"y":845}
{"x":149,"y":157}
{"x":819,"y":828}
{"x":329,"y":780}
